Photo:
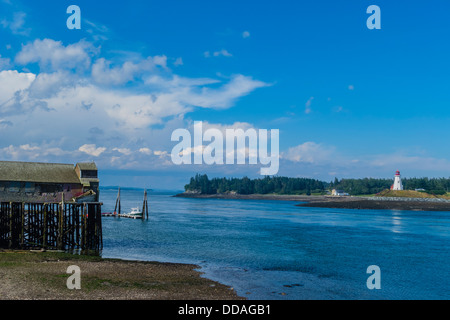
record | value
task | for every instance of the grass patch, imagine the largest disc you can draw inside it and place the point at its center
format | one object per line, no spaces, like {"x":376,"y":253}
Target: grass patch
{"x":407,"y":194}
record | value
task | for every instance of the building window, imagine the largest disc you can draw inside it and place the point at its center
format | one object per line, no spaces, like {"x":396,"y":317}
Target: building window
{"x":88,"y":174}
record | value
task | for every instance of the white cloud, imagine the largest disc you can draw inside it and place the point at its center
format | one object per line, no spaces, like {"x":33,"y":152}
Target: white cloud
{"x":219,"y":53}
{"x":44,"y":152}
{"x":308,"y":105}
{"x":46,"y":85}
{"x":310,"y":152}
{"x":146,"y":151}
{"x":92,"y":150}
{"x":17,"y":24}
{"x":338,"y":109}
{"x":53,"y":55}
{"x":124,"y":151}
{"x":178,"y":62}
{"x":97,"y":30}
{"x":27,"y":147}
{"x":75,"y":95}
{"x":176,"y":82}
{"x":12,"y":85}
{"x":222,"y":52}
{"x":160,"y":153}
{"x":225,"y":96}
{"x":245,"y":34}
{"x":5,"y":63}
{"x":12,"y":81}
{"x":103,"y":73}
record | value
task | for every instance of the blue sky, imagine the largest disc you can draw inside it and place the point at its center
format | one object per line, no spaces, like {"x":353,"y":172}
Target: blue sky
{"x":348,"y":101}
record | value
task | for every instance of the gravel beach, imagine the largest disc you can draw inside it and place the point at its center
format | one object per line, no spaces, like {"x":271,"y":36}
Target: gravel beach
{"x":27,"y":275}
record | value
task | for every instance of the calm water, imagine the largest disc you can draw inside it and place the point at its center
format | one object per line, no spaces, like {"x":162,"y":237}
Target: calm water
{"x":274,"y":250}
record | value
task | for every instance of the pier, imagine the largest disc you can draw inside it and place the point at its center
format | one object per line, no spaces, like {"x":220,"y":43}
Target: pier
{"x":134,"y":214}
{"x":56,"y":225}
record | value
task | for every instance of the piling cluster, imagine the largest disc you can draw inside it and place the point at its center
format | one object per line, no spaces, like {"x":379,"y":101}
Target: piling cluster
{"x":60,"y":226}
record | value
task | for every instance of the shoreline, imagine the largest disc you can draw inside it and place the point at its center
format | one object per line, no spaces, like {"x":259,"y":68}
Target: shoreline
{"x":336,"y":202}
{"x":278,"y":197}
{"x":42,"y":275}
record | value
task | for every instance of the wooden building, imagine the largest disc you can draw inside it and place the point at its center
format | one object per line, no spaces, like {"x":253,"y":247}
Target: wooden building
{"x":47,"y":182}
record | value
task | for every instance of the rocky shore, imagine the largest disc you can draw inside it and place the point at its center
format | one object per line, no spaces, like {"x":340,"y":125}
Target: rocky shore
{"x":386,"y":204}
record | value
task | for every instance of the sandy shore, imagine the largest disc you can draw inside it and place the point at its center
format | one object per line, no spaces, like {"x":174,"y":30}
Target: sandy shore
{"x":333,"y":202}
{"x":27,"y":275}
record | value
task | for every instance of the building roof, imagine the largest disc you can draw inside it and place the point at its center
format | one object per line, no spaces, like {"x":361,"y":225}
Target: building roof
{"x":37,"y":172}
{"x":87,"y":165}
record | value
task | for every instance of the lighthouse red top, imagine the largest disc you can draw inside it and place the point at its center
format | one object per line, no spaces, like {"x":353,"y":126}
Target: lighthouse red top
{"x":397,"y":173}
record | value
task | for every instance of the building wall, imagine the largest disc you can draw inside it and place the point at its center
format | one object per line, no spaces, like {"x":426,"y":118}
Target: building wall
{"x":37,"y":192}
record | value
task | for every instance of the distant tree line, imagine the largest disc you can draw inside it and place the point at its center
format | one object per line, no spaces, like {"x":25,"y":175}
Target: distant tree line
{"x":279,"y":185}
{"x":285,"y":185}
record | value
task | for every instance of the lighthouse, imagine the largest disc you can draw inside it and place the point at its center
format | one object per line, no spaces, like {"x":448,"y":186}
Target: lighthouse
{"x":397,"y":182}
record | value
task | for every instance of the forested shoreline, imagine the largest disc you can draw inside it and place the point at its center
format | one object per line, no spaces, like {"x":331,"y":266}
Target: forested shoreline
{"x":307,"y":186}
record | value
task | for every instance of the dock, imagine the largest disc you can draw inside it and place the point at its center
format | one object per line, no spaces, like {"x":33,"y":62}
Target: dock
{"x":136,"y":215}
{"x":122,"y":215}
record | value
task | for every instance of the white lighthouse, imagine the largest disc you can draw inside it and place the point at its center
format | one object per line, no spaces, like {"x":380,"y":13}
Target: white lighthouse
{"x":397,"y":182}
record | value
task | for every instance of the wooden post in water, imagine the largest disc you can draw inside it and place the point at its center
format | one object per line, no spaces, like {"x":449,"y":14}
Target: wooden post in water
{"x":145,"y":206}
{"x":117,"y":203}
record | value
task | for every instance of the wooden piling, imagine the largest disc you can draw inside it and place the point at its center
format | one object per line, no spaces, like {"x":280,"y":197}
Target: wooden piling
{"x":145,"y":206}
{"x":117,"y":203}
{"x":60,"y":226}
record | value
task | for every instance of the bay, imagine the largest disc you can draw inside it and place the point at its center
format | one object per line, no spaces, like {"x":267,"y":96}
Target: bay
{"x":266,"y":249}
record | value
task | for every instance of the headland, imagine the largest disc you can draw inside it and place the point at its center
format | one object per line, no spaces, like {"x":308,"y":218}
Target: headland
{"x":342,"y":202}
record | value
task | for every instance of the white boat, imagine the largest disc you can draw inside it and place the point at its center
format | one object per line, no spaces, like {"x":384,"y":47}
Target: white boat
{"x":135,"y":212}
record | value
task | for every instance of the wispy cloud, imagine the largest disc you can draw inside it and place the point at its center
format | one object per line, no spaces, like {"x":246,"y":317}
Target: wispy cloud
{"x":178,"y":62}
{"x":219,"y":53}
{"x":97,"y":30}
{"x":92,"y":150}
{"x":17,"y":24}
{"x":308,"y":105}
{"x":310,"y":152}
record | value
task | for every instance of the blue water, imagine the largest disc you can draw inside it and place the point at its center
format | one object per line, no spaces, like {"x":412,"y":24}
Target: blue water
{"x":275,"y":250}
